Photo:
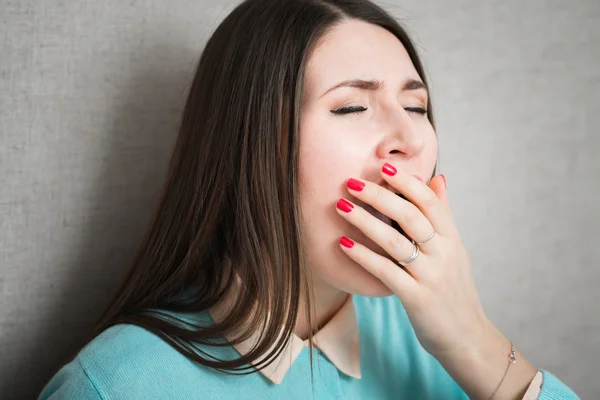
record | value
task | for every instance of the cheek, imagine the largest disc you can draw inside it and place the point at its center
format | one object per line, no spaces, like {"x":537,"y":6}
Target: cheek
{"x":325,"y":163}
{"x":428,"y":157}
{"x":320,"y":178}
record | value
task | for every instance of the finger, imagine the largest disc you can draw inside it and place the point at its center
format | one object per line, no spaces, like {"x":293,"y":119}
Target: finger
{"x":406,"y":214}
{"x":421,"y":196}
{"x":438,"y":185}
{"x":392,"y":241}
{"x":394,"y":277}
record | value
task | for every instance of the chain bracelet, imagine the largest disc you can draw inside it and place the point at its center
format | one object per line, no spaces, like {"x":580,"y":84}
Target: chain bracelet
{"x":511,"y":360}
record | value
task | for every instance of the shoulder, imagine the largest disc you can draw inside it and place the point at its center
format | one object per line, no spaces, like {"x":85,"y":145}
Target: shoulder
{"x":100,"y":361}
{"x":75,"y":380}
{"x":118,"y":343}
{"x":71,"y":382}
{"x":126,"y":361}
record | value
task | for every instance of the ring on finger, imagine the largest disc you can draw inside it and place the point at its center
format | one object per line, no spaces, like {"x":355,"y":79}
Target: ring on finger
{"x":414,"y":255}
{"x":426,"y":240}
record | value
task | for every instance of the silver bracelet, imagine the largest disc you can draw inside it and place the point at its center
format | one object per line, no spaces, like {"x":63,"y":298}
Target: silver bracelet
{"x":511,"y":360}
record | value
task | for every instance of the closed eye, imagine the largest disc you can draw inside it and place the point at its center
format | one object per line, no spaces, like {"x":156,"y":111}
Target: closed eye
{"x":348,"y":110}
{"x":417,"y":110}
{"x":357,"y":109}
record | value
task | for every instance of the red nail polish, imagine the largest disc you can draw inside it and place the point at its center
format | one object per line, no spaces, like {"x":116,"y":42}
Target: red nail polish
{"x":344,"y":205}
{"x":389,"y":169}
{"x":355,"y":184}
{"x":344,"y":241}
{"x":445,"y":183}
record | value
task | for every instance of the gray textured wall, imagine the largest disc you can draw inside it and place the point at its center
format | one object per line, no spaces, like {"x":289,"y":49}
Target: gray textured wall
{"x":90,"y":97}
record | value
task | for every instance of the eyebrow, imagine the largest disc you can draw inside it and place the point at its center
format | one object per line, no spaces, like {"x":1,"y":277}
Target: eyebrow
{"x":409,"y":84}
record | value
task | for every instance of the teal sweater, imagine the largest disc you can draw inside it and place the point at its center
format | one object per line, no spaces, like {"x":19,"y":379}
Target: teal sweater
{"x":128,"y":362}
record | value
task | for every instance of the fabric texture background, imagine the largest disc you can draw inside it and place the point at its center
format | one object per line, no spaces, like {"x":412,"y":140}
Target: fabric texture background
{"x":91,"y":94}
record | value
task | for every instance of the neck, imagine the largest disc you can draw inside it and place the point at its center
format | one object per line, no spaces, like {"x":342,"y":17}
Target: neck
{"x":327,"y":302}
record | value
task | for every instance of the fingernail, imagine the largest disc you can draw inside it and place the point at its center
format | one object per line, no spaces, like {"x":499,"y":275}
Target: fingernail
{"x":344,"y":205}
{"x":389,"y":169}
{"x":445,"y":183}
{"x":355,"y":184}
{"x":344,"y":241}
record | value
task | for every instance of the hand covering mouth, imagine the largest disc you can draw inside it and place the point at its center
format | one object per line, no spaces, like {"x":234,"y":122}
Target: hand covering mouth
{"x":384,"y":218}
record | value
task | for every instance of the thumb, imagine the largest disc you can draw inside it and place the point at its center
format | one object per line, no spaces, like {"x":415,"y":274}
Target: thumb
{"x":438,"y":185}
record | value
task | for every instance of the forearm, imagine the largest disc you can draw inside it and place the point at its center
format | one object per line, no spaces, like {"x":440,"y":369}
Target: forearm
{"x":479,"y":369}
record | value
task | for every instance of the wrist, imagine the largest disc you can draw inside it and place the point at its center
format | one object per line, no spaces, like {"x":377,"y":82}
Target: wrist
{"x":479,"y":367}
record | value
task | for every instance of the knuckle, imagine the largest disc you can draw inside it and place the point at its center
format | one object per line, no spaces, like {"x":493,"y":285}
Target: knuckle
{"x":430,"y":200}
{"x":379,"y":271}
{"x":397,"y":242}
{"x":378,"y":192}
{"x":385,"y":272}
{"x":412,"y":218}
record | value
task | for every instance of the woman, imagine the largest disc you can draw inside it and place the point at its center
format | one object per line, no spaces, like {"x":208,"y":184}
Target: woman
{"x":302,"y":211}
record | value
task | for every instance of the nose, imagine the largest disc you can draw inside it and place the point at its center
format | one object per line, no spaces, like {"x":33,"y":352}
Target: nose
{"x":402,"y":137}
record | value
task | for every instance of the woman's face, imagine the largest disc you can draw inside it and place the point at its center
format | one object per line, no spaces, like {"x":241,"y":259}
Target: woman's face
{"x":334,"y":147}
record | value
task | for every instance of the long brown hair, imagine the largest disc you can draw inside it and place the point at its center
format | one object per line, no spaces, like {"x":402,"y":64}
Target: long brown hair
{"x":231,"y":193}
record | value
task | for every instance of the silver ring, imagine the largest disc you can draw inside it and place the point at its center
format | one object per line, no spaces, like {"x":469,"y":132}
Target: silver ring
{"x":428,"y":239}
{"x":414,"y":256}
